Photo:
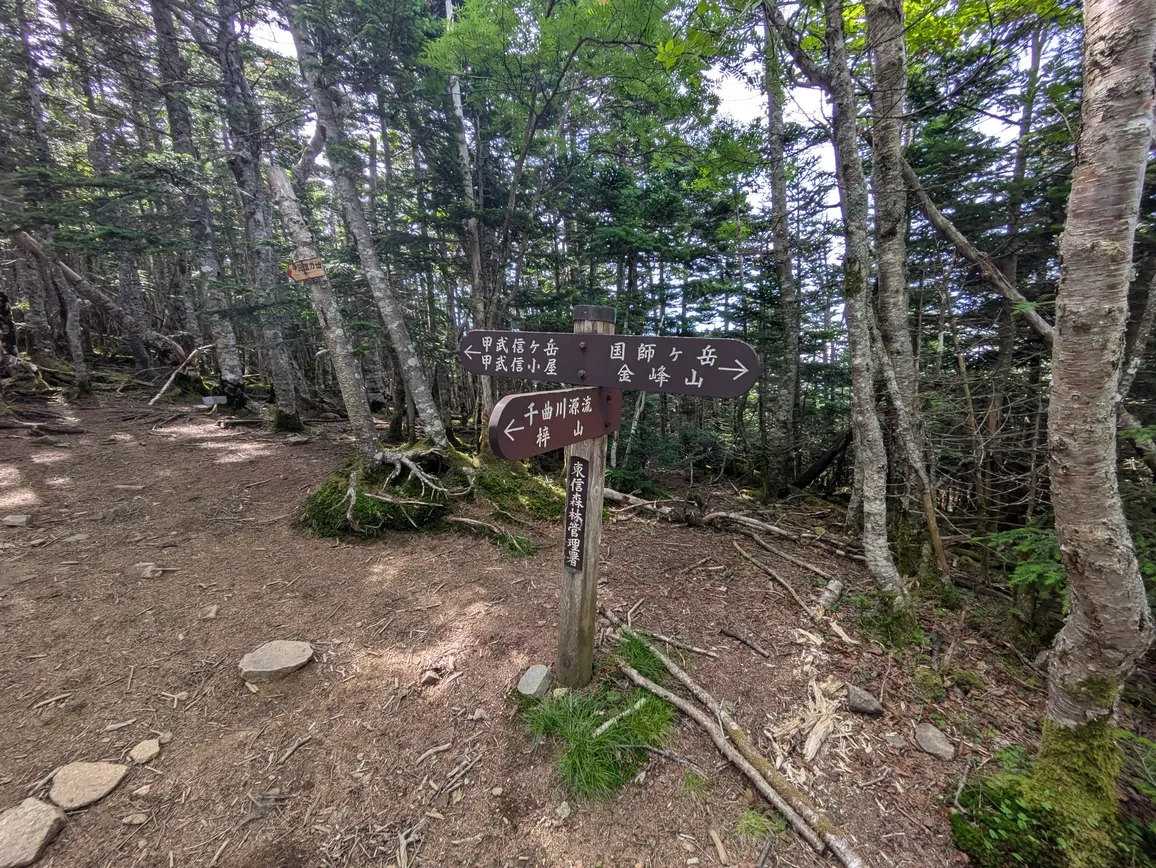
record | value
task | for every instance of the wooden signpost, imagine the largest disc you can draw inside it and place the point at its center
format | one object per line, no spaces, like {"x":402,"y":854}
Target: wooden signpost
{"x":306,"y":269}
{"x":531,"y":423}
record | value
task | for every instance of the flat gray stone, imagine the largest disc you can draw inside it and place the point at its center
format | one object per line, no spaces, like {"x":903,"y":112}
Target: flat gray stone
{"x":143,"y":571}
{"x":75,"y":538}
{"x":862,"y":702}
{"x":933,"y":741}
{"x":275,"y":660}
{"x":145,"y":752}
{"x":15,"y":520}
{"x":535,"y":681}
{"x":80,"y":784}
{"x":895,"y":740}
{"x":26,"y":830}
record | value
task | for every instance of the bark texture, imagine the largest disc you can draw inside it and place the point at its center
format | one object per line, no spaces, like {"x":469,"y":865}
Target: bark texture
{"x":345,"y":366}
{"x":339,"y":151}
{"x":1109,"y":625}
{"x":781,"y":425}
{"x":871,"y":456}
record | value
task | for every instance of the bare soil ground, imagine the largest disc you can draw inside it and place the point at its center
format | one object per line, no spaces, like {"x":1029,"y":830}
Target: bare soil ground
{"x":83,"y":647}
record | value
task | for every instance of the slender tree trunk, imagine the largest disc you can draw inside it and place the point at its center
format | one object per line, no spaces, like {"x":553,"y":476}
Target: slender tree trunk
{"x":871,"y":453}
{"x":1109,"y":625}
{"x":345,"y":366}
{"x":243,"y":117}
{"x":174,"y":74}
{"x":781,"y":423}
{"x":338,"y":150}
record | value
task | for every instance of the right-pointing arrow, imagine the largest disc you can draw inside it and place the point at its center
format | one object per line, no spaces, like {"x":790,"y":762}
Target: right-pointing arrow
{"x":511,"y":427}
{"x":742,"y":369}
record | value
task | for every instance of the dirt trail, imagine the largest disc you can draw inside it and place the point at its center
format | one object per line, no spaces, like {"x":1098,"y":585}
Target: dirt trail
{"x":214,"y":506}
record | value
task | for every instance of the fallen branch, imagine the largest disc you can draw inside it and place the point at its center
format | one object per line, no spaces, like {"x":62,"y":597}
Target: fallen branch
{"x":716,"y":517}
{"x":786,"y":794}
{"x":729,"y":751}
{"x":177,"y":372}
{"x":618,"y":718}
{"x":779,"y":553}
{"x":745,"y":641}
{"x":674,"y":642}
{"x":818,"y":615}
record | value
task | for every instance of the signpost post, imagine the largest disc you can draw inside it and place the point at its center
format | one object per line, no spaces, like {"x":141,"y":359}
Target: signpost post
{"x":601,"y":364}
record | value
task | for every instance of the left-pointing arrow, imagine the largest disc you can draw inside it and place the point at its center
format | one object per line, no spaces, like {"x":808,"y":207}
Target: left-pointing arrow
{"x":511,"y":427}
{"x":742,"y":369}
{"x":470,"y":351}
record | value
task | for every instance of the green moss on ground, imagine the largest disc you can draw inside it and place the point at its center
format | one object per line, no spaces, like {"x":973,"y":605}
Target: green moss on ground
{"x":1065,"y":813}
{"x":892,"y":624}
{"x":509,"y":486}
{"x":326,"y":511}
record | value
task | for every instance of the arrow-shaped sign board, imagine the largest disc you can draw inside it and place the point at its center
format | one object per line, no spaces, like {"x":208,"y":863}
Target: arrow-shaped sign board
{"x":531,"y":423}
{"x":717,"y":368}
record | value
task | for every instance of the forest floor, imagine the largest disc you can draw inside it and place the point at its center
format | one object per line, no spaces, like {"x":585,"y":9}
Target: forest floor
{"x":83,"y":647}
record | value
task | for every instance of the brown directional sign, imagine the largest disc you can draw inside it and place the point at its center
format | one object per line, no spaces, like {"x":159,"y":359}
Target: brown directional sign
{"x":718,"y":368}
{"x":531,"y":423}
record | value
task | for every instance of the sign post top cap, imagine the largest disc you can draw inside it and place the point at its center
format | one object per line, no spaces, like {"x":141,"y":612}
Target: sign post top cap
{"x":594,"y":312}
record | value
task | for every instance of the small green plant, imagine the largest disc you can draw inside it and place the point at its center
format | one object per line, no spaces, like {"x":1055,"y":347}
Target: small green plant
{"x":640,"y":657}
{"x":754,"y":827}
{"x":596,"y":764}
{"x":1013,"y":758}
{"x":516,"y":545}
{"x":693,"y":784}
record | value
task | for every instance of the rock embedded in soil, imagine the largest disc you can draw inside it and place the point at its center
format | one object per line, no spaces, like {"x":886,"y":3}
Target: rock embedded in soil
{"x":16,"y":520}
{"x":895,"y":740}
{"x":275,"y":660}
{"x":135,"y":819}
{"x":143,"y":571}
{"x":535,"y":681}
{"x":862,"y":702}
{"x":75,"y":538}
{"x":932,"y":740}
{"x":26,"y":830}
{"x":80,"y":784}
{"x":147,"y":751}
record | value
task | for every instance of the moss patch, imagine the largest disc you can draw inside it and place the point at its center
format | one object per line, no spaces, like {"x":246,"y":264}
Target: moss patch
{"x":894,"y":625}
{"x":1065,"y":813}
{"x":326,"y":511}
{"x":928,"y":684}
{"x":509,"y":486}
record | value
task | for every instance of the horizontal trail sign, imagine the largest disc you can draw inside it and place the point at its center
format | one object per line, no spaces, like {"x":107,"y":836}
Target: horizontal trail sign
{"x":530,"y":423}
{"x":717,"y":368}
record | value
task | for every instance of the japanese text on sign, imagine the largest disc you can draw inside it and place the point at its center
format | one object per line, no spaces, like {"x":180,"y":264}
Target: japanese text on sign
{"x":577,"y":491}
{"x":715,"y":367}
{"x":531,"y":423}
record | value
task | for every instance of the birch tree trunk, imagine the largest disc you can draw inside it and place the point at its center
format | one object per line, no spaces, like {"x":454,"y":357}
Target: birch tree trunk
{"x":1109,"y":625}
{"x":339,"y":150}
{"x":243,"y":119}
{"x":781,"y":424}
{"x":174,"y":73}
{"x":871,"y":453}
{"x":345,"y":366}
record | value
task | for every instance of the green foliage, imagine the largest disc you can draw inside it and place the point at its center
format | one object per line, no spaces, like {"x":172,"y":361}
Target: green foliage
{"x":693,"y":784}
{"x":636,"y":482}
{"x":928,"y":685}
{"x":596,"y":767}
{"x":640,"y":656}
{"x":509,"y":486}
{"x":753,"y":827}
{"x":892,"y":625}
{"x":516,"y":545}
{"x":1036,"y":555}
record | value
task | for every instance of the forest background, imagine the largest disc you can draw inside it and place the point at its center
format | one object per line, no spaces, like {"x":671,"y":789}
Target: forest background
{"x":890,"y":245}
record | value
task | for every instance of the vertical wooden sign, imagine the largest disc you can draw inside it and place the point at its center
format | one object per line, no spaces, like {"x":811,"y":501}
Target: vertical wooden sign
{"x":579,"y":603}
{"x":577,"y":493}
